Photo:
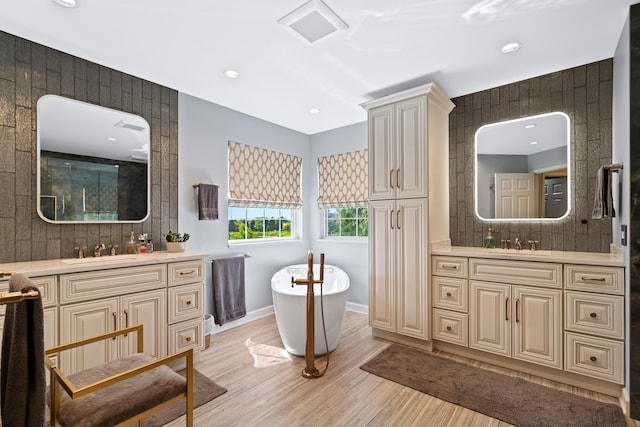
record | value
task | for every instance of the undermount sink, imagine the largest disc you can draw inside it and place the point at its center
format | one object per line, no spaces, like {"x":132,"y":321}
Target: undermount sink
{"x":519,"y":252}
{"x":97,"y":260}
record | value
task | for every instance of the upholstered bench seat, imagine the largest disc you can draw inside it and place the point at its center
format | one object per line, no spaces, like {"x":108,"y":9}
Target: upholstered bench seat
{"x":131,"y":396}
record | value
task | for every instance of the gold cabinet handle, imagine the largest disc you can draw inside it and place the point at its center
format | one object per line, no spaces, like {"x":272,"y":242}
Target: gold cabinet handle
{"x":448,"y":328}
{"x":391,"y":178}
{"x":182,"y":273}
{"x":449,"y":266}
{"x":506,"y":308}
{"x":517,"y":310}
{"x":189,"y":302}
{"x":398,"y":219}
{"x":398,"y":178}
{"x":593,"y":315}
{"x":188,"y":339}
{"x":391,"y":219}
{"x":126,"y":320}
{"x":593,"y":358}
{"x":448,"y":294}
{"x":115,"y":323}
{"x":592,"y":279}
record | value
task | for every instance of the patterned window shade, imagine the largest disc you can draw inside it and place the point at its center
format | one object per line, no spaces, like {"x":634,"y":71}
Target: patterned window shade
{"x":260,"y":178}
{"x":343,"y":180}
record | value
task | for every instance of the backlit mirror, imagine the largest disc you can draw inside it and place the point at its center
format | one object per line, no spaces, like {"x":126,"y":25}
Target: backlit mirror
{"x":93,"y":163}
{"x":522,"y":169}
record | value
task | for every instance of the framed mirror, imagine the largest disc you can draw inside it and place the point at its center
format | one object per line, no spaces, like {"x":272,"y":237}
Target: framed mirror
{"x":522,"y":169}
{"x":93,"y":163}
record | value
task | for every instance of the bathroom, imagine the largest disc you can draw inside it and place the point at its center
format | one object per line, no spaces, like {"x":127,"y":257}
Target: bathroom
{"x":204,"y":130}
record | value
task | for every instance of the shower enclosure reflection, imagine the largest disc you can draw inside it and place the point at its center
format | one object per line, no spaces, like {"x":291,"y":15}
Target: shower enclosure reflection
{"x":92,"y":163}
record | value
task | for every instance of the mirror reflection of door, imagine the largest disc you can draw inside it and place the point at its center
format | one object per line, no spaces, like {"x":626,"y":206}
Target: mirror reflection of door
{"x":555,"y":197}
{"x":515,"y":195}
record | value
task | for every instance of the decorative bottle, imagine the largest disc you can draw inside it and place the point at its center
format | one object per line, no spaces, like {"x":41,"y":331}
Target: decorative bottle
{"x":132,"y":246}
{"x":489,"y":241}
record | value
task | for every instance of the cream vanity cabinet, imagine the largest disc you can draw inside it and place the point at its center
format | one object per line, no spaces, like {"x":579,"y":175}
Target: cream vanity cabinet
{"x":186,"y":305}
{"x":450,"y":296}
{"x":594,"y":321}
{"x":96,"y":302}
{"x":408,"y":206}
{"x":516,"y":309}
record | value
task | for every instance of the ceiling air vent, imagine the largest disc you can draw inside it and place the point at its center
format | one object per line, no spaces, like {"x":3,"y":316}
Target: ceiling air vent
{"x":313,"y":21}
{"x":123,"y":124}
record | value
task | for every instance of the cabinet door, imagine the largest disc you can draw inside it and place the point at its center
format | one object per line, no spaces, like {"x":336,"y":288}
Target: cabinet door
{"x":148,"y":309}
{"x":411,"y":283}
{"x":84,"y":320}
{"x":411,"y":148}
{"x":382,"y":299}
{"x":537,"y":333}
{"x":489,"y":317}
{"x":382,"y":170}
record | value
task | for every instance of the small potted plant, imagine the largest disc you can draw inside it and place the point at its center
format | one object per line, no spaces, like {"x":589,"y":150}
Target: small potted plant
{"x":175,"y":241}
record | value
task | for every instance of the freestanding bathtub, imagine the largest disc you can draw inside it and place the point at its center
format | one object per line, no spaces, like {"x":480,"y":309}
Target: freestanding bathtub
{"x":290,"y":306}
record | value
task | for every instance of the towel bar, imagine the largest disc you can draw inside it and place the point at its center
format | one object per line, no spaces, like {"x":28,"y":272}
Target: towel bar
{"x":615,"y":167}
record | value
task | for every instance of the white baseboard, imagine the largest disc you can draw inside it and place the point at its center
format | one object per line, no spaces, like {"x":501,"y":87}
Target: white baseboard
{"x":358,"y":308}
{"x":250,"y":317}
{"x":266,"y":311}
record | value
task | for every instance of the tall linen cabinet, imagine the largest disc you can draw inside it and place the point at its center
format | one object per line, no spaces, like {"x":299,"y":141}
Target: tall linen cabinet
{"x":408,"y":207}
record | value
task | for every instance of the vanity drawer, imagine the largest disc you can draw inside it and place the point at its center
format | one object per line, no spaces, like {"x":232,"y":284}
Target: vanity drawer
{"x":186,"y":335}
{"x":186,"y":302}
{"x":609,"y":280}
{"x":184,"y":272}
{"x":450,"y":293}
{"x":594,"y":357}
{"x":449,"y":266}
{"x":530,"y":273}
{"x":47,"y":286}
{"x":594,"y":314}
{"x":78,"y":287}
{"x":451,"y":326}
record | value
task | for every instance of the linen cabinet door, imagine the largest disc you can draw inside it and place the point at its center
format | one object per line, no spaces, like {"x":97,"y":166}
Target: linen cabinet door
{"x":411,"y":148}
{"x":490,"y":317}
{"x":382,"y":170}
{"x":148,"y":309}
{"x":382,"y":260}
{"x":85,"y":320}
{"x":412,"y":295}
{"x":538,"y":326}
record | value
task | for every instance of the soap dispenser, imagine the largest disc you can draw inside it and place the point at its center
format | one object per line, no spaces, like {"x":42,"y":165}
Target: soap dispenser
{"x":132,"y":246}
{"x":489,"y":241}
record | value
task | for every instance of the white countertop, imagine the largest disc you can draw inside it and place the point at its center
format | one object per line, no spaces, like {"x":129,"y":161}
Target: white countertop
{"x":74,"y":265}
{"x":566,"y":257}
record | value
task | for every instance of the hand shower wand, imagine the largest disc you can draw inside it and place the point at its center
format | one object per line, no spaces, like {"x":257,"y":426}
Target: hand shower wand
{"x":311,"y":371}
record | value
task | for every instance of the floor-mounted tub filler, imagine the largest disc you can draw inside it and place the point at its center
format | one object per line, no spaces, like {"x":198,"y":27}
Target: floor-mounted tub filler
{"x":307,"y":291}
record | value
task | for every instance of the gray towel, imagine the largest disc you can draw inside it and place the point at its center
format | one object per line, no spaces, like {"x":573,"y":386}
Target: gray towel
{"x":228,"y":289}
{"x":22,"y":370}
{"x":207,"y":201}
{"x":603,"y":199}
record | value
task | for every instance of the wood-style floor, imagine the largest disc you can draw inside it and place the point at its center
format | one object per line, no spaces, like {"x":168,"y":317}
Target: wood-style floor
{"x":265,"y":387}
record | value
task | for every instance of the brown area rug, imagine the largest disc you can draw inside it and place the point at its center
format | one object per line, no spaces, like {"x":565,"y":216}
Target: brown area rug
{"x":509,"y":399}
{"x":204,"y":390}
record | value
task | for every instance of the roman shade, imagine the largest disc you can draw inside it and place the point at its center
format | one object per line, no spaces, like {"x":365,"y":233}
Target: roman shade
{"x":343,"y":180}
{"x":260,"y":178}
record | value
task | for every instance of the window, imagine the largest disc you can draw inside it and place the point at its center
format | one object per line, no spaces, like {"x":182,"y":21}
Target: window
{"x":264,"y":192}
{"x":346,"y":222}
{"x":342,"y":193}
{"x":259,"y":223}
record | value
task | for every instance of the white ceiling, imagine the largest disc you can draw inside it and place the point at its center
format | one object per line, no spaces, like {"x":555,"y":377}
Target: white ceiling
{"x":389,"y":45}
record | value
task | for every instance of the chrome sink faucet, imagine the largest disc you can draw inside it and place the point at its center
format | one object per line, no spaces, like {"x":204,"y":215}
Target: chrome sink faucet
{"x":506,"y":244}
{"x":97,"y":249}
{"x":533,"y":244}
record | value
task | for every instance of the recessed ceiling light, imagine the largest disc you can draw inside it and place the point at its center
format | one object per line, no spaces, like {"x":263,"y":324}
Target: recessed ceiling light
{"x":529,"y":126}
{"x":510,"y":47}
{"x":314,"y":111}
{"x":232,"y":74}
{"x":533,"y":142}
{"x":66,"y":3}
{"x":112,"y":139}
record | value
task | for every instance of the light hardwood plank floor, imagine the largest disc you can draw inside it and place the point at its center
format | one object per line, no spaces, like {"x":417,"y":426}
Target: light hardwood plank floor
{"x":265,"y":386}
